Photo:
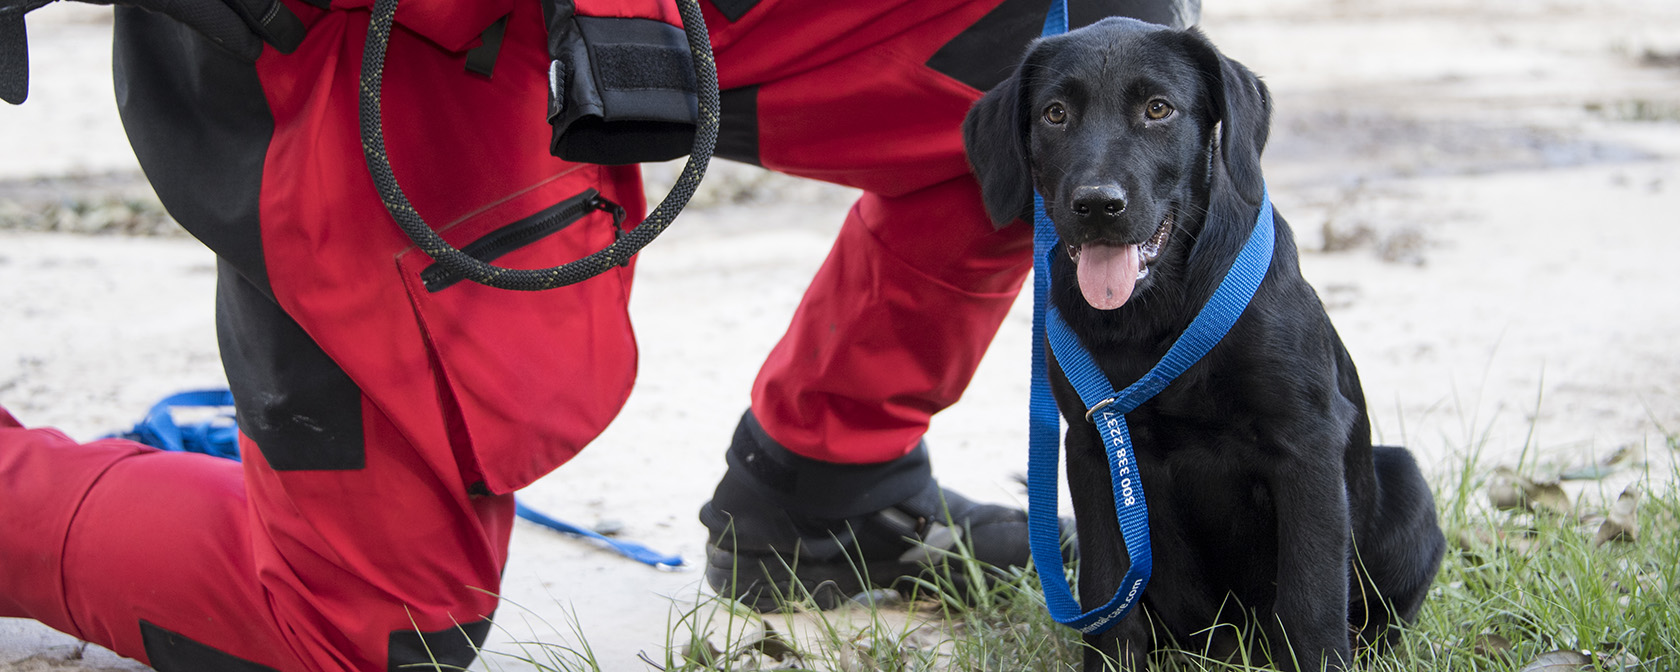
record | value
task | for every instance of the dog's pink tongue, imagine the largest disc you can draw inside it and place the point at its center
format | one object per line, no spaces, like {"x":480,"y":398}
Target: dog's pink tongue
{"x":1107,"y":274}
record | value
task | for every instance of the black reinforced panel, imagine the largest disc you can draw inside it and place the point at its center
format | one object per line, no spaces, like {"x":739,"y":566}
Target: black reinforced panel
{"x":447,"y":649}
{"x":734,"y":9}
{"x":738,"y":125}
{"x":481,"y":60}
{"x":301,"y":409}
{"x":170,"y":652}
{"x":200,"y":125}
{"x":988,"y":51}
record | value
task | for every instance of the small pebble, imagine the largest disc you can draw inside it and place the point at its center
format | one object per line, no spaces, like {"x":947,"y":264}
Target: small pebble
{"x":880,"y":597}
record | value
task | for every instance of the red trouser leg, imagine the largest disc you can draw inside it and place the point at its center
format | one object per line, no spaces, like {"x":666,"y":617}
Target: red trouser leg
{"x":359,"y":561}
{"x":137,"y":550}
{"x":893,"y":326}
{"x":98,"y":537}
{"x":44,"y":476}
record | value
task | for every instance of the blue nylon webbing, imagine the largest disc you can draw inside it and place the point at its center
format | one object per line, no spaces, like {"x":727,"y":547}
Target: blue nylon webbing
{"x":1056,"y":19}
{"x":1044,"y":421}
{"x":215,"y":435}
{"x":1097,"y":392}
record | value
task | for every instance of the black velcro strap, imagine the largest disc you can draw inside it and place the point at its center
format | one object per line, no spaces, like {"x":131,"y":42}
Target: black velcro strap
{"x":279,"y":26}
{"x":622,"y":91}
{"x":171,"y":652}
{"x":14,"y":56}
{"x":644,"y":66}
{"x":481,"y":60}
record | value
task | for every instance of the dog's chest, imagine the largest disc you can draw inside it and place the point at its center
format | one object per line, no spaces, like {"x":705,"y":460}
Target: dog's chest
{"x":1211,"y":485}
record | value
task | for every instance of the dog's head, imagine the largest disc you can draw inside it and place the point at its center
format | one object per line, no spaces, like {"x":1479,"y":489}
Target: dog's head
{"x":1123,"y":127}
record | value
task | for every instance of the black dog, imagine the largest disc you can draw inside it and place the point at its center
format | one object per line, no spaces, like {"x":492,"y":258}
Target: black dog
{"x":1276,"y":526}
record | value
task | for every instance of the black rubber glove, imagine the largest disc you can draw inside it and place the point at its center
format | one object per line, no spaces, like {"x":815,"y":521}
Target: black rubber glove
{"x":240,"y":26}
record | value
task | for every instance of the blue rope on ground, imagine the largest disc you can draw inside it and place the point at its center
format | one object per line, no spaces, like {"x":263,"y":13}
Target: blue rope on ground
{"x":217,"y":435}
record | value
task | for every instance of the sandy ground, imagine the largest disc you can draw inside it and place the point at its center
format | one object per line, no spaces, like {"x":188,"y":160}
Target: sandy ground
{"x":1485,"y":194}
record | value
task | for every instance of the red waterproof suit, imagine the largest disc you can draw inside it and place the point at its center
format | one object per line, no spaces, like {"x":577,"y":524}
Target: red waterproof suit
{"x":386,"y":424}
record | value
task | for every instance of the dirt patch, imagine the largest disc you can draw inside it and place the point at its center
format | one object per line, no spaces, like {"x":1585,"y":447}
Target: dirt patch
{"x":1345,"y":144}
{"x":113,"y":203}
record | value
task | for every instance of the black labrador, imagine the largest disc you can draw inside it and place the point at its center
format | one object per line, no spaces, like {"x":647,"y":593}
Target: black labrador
{"x":1277,"y":528}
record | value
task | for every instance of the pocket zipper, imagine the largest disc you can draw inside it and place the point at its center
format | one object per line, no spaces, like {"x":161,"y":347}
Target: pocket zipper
{"x":493,"y":245}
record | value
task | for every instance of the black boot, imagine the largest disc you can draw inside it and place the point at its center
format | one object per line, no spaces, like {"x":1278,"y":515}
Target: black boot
{"x":784,"y":527}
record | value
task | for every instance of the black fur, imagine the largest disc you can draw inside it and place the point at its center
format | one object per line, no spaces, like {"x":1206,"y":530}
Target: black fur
{"x":1271,"y":513}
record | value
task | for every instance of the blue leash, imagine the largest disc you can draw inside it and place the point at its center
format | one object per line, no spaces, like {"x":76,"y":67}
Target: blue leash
{"x":218,"y":436}
{"x":1107,"y":408}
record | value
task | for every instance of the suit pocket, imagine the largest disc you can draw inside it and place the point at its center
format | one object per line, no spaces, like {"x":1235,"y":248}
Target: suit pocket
{"x":532,"y":376}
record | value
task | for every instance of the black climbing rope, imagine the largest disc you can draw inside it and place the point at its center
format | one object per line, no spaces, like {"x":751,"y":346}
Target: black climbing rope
{"x":465,"y":266}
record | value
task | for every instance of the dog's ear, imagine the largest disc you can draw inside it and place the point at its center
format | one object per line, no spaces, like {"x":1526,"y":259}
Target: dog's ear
{"x":1244,"y":108}
{"x":995,"y":139}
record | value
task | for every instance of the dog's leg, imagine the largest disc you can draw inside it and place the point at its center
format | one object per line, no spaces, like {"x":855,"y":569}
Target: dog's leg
{"x":1124,"y":648}
{"x":1313,"y":546}
{"x":1399,"y":552}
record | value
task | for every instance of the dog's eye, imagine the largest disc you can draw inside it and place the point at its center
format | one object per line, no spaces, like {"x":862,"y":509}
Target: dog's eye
{"x":1158,"y":109}
{"x":1055,"y":114}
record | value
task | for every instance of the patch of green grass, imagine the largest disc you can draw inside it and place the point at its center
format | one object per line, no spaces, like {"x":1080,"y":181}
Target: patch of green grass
{"x":1515,"y":586}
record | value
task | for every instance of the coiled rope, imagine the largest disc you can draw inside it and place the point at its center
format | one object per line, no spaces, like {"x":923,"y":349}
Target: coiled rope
{"x":464,"y":265}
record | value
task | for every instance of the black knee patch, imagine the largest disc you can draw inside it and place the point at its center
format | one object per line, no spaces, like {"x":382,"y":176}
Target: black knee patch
{"x":448,"y":649}
{"x":171,"y":652}
{"x":983,"y":55}
{"x":301,"y":409}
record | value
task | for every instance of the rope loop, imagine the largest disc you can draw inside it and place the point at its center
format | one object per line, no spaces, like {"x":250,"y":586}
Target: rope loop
{"x":465,"y":266}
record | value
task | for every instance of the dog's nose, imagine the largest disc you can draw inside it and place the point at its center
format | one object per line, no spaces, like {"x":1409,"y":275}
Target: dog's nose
{"x":1106,"y":200}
